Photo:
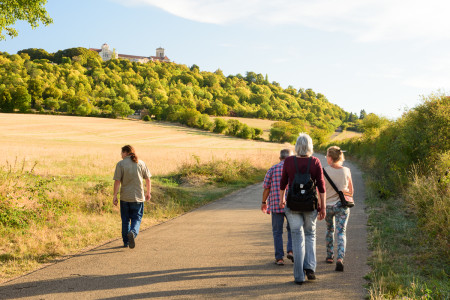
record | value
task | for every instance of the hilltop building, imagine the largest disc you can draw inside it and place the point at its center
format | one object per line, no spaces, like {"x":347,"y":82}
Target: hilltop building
{"x":107,"y":54}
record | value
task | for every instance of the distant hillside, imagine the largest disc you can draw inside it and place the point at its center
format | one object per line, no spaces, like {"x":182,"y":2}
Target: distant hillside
{"x":76,"y":81}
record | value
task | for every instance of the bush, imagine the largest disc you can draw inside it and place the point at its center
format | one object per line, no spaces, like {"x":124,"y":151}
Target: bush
{"x":146,"y":118}
{"x":220,"y":125}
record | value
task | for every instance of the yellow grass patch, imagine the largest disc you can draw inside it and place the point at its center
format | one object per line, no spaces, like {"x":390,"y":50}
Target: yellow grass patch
{"x":339,"y":136}
{"x":65,"y":145}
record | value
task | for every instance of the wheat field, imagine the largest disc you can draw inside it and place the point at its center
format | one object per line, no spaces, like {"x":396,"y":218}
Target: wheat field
{"x":66,"y":145}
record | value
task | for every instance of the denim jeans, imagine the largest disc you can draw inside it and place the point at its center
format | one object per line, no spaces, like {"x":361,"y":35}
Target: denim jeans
{"x":277,"y":230}
{"x":339,"y":215}
{"x":131,"y":214}
{"x":303,"y":230}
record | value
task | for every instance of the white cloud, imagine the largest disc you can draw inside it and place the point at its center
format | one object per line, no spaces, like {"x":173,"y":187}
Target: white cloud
{"x":366,"y":20}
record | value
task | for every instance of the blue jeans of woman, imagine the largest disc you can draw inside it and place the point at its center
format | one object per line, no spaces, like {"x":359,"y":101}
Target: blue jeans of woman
{"x":336,"y":214}
{"x":277,"y":231}
{"x":303,"y":231}
{"x":131,"y":214}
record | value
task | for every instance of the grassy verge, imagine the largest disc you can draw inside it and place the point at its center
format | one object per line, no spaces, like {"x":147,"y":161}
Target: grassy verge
{"x":45,"y":217}
{"x":405,"y":264}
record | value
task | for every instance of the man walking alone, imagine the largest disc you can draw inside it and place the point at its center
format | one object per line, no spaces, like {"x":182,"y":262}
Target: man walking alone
{"x":270,"y":205}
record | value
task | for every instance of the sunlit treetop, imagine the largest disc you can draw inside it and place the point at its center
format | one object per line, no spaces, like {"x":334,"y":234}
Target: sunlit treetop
{"x":31,"y":11}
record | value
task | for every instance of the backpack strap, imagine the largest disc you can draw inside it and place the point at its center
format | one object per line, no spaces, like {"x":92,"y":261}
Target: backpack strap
{"x":330,"y":181}
{"x":296,"y":165}
{"x":309,"y":164}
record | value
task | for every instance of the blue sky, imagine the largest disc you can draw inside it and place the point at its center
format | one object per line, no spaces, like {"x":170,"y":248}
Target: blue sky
{"x":377,"y":55}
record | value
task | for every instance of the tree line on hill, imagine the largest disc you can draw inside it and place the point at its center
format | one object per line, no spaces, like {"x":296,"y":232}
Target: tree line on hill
{"x":76,"y":81}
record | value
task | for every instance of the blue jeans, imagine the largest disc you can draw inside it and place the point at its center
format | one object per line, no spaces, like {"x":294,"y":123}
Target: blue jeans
{"x":303,"y":230}
{"x":277,"y":230}
{"x":131,"y":212}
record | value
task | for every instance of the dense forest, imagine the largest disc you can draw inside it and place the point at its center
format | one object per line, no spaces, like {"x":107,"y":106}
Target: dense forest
{"x":76,"y":81}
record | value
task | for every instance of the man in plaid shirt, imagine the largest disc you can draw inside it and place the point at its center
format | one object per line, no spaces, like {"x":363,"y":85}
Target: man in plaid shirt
{"x":271,"y":205}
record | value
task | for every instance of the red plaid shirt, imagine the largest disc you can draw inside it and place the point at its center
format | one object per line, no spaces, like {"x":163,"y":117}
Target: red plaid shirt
{"x":272,"y":182}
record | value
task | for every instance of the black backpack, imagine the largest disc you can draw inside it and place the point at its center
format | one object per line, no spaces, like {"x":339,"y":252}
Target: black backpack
{"x":302,"y":193}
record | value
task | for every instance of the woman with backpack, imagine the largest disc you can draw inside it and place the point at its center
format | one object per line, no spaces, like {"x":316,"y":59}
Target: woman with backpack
{"x":301,"y":218}
{"x":336,"y":212}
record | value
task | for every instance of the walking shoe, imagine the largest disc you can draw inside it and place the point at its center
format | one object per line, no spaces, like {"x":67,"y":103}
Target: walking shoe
{"x":131,"y":242}
{"x":310,"y":274}
{"x":279,"y":262}
{"x":290,"y":256}
{"x":298,"y":282}
{"x":340,"y":266}
{"x":125,"y":245}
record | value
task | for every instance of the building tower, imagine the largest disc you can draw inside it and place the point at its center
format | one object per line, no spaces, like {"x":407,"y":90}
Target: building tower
{"x":160,"y":52}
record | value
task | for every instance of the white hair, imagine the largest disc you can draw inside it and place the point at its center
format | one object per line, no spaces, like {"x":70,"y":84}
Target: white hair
{"x":304,"y":145}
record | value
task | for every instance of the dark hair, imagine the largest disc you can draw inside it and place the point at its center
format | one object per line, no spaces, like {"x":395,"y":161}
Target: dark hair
{"x":130,"y":151}
{"x":285,"y":153}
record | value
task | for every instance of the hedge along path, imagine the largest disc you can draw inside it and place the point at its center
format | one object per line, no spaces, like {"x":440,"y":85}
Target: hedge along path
{"x":221,"y":250}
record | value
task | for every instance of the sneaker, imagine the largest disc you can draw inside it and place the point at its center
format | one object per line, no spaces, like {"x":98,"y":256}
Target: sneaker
{"x":340,"y":266}
{"x":131,"y":242}
{"x":290,"y":256}
{"x":310,"y":274}
{"x":125,"y":245}
{"x":279,"y":262}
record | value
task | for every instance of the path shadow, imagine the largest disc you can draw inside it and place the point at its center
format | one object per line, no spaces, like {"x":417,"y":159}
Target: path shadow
{"x":81,"y":283}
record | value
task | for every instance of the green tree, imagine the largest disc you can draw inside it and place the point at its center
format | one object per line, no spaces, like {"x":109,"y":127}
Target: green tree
{"x":21,"y":98}
{"x":36,"y":53}
{"x":31,"y":11}
{"x":122,"y":109}
{"x":362,"y":114}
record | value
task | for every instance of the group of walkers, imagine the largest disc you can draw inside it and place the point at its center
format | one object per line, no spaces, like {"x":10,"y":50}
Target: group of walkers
{"x":301,"y":225}
{"x":131,"y":173}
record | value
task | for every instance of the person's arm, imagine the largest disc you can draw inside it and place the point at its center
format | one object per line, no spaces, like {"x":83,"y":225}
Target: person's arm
{"x":266,"y":185}
{"x":282,"y":198}
{"x":283,"y":183}
{"x":116,"y":191}
{"x":322,"y":205}
{"x":148,"y":195}
{"x":320,"y":182}
{"x":350,"y":185}
{"x":264,"y":200}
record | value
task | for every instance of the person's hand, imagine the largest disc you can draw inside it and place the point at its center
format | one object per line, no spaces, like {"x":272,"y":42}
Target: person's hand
{"x":282,"y":204}
{"x":322,"y":213}
{"x":264,"y":208}
{"x":148,"y":197}
{"x":115,"y":201}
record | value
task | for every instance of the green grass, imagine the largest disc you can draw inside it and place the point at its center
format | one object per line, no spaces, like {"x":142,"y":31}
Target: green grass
{"x":404,"y":263}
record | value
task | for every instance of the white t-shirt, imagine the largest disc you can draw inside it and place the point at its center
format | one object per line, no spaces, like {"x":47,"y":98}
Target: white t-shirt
{"x":340,"y":178}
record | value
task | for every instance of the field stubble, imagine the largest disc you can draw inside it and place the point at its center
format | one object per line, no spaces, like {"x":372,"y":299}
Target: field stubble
{"x":56,"y":174}
{"x":65,"y":145}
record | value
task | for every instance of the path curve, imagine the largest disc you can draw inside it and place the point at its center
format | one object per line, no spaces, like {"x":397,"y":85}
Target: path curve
{"x":221,"y":250}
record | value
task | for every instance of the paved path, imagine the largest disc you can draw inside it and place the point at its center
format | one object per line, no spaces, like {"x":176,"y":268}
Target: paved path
{"x":222,"y":250}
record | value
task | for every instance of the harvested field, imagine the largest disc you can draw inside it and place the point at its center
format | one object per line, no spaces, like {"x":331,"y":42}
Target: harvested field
{"x":66,"y":145}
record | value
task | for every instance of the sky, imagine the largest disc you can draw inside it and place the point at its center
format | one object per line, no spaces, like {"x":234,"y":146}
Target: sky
{"x":382,"y":56}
